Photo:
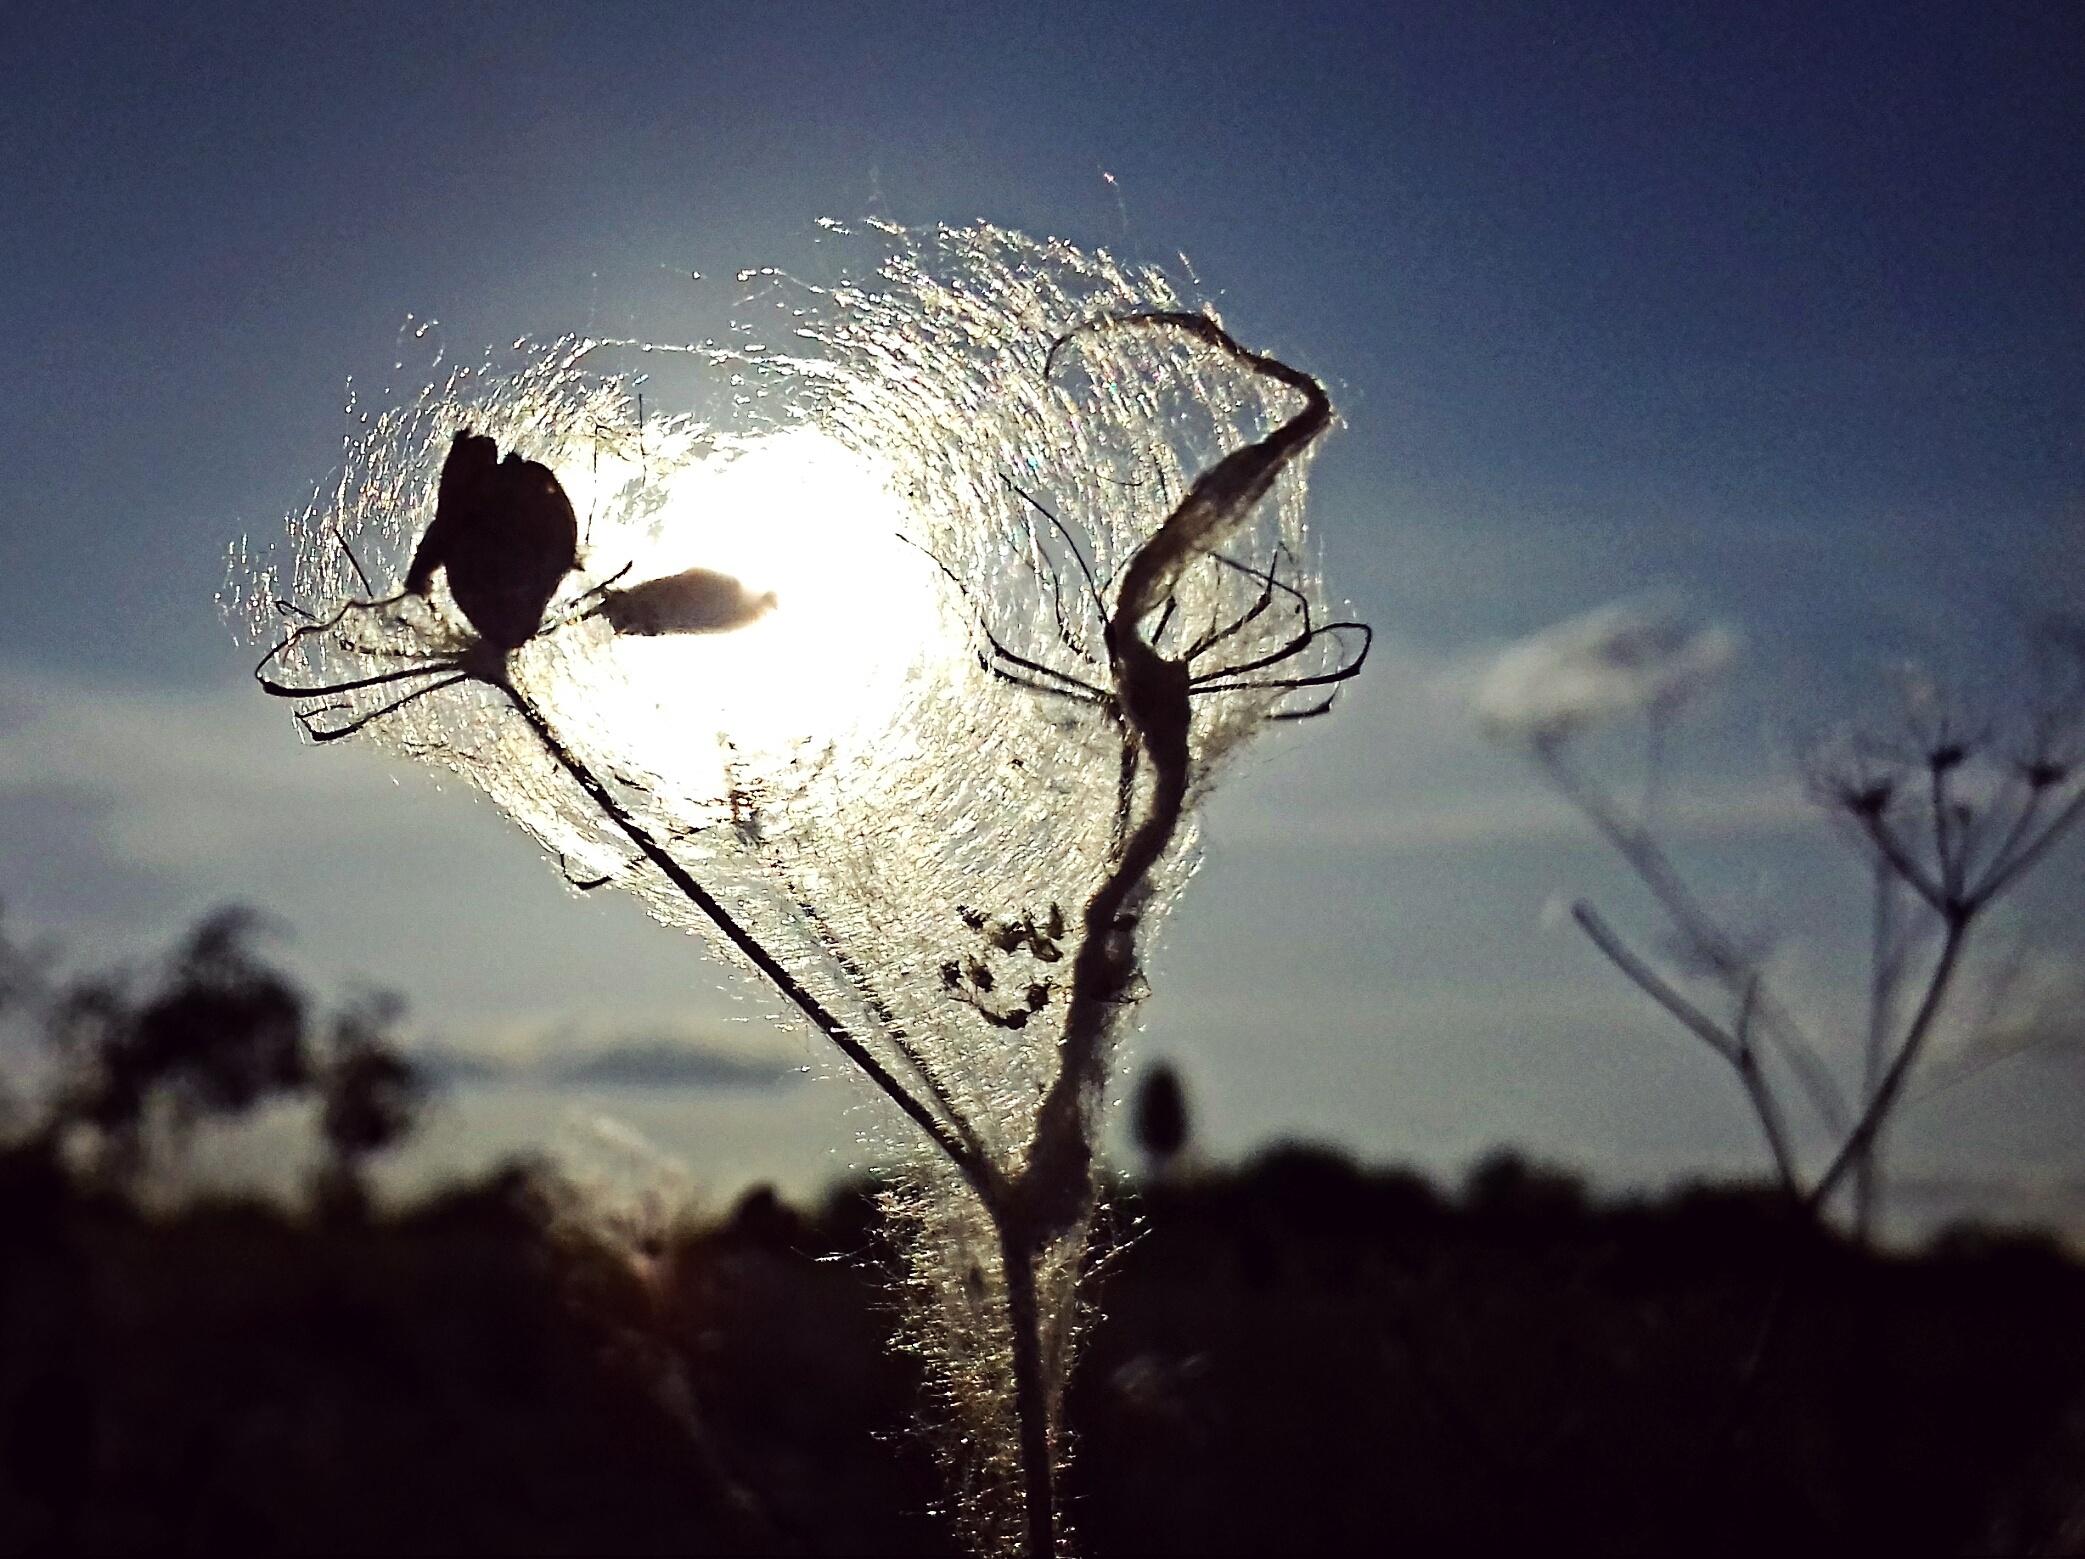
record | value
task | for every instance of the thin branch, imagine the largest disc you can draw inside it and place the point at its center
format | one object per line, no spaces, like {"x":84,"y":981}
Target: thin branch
{"x":1733,"y":1048}
{"x":977,"y":1172}
{"x":1915,"y":1037}
{"x":2004,"y":877}
{"x":2030,"y":809}
{"x":1654,"y":868}
{"x":1942,"y":1078}
{"x":1100,"y":605}
{"x":1885,"y":967}
{"x":895,"y":1031}
{"x":1947,"y":846}
{"x":1900,"y":861}
{"x":1765,"y":1104}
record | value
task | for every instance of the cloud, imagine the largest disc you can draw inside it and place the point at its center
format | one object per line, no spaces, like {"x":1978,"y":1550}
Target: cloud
{"x":1407,"y":766}
{"x":1625,"y":658}
{"x":1506,"y":815}
{"x":180,"y":779}
{"x":132,"y":809}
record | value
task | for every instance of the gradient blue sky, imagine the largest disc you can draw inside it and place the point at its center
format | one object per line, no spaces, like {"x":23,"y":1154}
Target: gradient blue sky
{"x":1780,"y":307}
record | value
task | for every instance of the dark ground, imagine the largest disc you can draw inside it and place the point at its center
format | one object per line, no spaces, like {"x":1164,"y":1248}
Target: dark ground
{"x":1293,"y":1356}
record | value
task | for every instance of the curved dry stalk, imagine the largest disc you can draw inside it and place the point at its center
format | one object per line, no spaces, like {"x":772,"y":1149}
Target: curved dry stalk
{"x":1053,"y":1194}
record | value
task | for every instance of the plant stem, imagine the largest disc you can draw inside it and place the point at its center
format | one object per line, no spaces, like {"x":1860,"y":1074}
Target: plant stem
{"x":2004,"y":876}
{"x":1019,"y":1247}
{"x":826,"y":1023}
{"x":1053,"y":1195}
{"x":1882,"y":985}
{"x":1737,"y":1049}
{"x":1915,"y":1036}
{"x":1640,"y":849}
{"x":1031,"y":1392}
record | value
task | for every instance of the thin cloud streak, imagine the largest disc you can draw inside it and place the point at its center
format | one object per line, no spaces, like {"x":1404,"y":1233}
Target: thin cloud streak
{"x":663,"y":1062}
{"x":188,"y":781}
{"x":1458,"y":821}
{"x":1410,"y":767}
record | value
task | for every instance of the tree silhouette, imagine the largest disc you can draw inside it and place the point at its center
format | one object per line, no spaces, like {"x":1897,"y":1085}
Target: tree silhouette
{"x":213,"y":1033}
{"x":218,"y":1033}
{"x":369,"y":1099}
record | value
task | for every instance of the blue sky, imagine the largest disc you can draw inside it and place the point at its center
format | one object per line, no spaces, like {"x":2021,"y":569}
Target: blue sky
{"x":1776,"y":307}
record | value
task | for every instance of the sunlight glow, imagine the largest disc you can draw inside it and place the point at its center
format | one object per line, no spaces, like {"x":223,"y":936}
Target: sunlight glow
{"x":808,"y":614}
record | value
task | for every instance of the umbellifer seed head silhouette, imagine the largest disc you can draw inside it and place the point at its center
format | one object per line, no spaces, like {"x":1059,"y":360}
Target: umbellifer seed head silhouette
{"x":505,"y":534}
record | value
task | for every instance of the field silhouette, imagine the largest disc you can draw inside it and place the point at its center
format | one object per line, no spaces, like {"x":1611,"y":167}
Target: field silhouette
{"x":1295,"y":1354}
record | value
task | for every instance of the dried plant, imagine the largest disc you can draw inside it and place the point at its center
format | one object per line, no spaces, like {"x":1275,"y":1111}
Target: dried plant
{"x":1950,"y":811}
{"x":898,"y":682}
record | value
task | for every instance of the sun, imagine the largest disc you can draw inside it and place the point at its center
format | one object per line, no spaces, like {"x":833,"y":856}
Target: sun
{"x":834,"y":613}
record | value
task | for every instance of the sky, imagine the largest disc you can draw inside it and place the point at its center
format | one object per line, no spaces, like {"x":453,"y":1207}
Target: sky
{"x":1778,"y":311}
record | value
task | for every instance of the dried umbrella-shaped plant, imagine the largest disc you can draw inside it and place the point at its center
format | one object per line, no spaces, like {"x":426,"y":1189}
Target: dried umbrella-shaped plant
{"x":902,"y":690}
{"x":1950,"y":815}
